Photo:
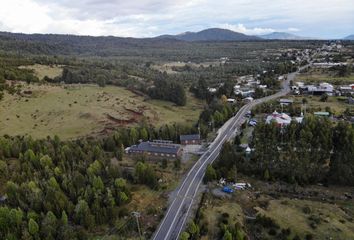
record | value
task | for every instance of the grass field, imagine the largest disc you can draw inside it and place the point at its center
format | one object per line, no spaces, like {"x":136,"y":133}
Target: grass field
{"x":322,"y":220}
{"x":312,"y":211}
{"x":72,"y":111}
{"x":214,"y":212}
{"x":315,"y":76}
{"x":335,"y":103}
{"x":44,"y":70}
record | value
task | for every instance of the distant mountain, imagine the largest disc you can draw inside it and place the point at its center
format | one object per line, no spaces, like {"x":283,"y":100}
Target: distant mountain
{"x":350,"y":37}
{"x":282,"y":36}
{"x":211,"y":34}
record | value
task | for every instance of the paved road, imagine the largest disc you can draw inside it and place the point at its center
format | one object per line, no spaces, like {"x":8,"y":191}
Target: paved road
{"x":177,"y":213}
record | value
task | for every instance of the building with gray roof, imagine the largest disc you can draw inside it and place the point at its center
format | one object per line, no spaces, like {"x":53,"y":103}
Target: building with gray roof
{"x":157,"y":148}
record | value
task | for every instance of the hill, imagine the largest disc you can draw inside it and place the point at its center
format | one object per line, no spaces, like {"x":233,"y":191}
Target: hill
{"x":79,"y":45}
{"x":350,"y":37}
{"x":211,"y":34}
{"x":282,"y":36}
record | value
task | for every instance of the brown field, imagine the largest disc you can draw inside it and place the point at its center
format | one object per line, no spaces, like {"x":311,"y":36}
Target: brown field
{"x":71,"y":111}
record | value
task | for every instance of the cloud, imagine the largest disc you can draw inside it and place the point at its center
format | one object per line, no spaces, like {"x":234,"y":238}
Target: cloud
{"x":249,"y":31}
{"x":146,"y":18}
{"x":24,"y":15}
{"x":290,"y":29}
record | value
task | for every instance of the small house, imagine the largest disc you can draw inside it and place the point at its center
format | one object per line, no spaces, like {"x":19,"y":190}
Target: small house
{"x":321,"y":114}
{"x":286,"y":102}
{"x":281,"y":119}
{"x":193,"y":139}
{"x":231,"y":100}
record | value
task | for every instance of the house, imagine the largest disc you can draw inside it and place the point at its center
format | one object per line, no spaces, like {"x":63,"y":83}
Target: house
{"x":321,"y":114}
{"x":245,"y":93}
{"x":253,"y":83}
{"x":157,"y":148}
{"x":323,"y":88}
{"x":281,"y":119}
{"x":243,"y":146}
{"x":252,"y":122}
{"x":193,"y":139}
{"x":286,"y":102}
{"x":231,"y":100}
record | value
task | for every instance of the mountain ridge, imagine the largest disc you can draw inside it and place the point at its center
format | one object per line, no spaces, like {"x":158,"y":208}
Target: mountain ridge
{"x":211,"y":34}
{"x":350,"y":37}
{"x":283,"y":36}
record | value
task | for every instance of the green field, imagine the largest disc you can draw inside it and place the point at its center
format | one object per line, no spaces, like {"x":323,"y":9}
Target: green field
{"x":321,"y":220}
{"x":337,"y":104}
{"x":72,"y":111}
{"x":44,"y":70}
{"x":316,"y":76}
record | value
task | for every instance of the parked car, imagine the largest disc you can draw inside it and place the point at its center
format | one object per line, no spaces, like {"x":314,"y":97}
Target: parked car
{"x":227,"y":190}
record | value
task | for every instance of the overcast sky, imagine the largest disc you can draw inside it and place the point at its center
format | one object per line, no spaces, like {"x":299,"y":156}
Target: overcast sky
{"x":147,"y":18}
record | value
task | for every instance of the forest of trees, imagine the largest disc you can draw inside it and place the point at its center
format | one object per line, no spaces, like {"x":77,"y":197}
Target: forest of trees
{"x":168,"y":90}
{"x":312,"y":152}
{"x":66,"y":189}
{"x":58,"y":190}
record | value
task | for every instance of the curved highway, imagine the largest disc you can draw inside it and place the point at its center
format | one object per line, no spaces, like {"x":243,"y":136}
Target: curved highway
{"x":178,"y":211}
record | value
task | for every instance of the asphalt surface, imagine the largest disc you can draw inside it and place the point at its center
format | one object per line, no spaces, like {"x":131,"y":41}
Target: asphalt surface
{"x":178,"y":211}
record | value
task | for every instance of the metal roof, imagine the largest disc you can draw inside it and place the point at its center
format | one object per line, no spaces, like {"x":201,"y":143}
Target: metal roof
{"x":189,"y":137}
{"x":156,"y":147}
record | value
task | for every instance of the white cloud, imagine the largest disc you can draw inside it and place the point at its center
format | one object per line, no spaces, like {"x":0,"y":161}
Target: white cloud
{"x":242,"y":29}
{"x":24,"y":16}
{"x":290,"y":29}
{"x":144,"y":18}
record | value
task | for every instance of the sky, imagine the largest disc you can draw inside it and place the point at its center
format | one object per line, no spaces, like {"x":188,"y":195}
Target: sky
{"x":149,"y":18}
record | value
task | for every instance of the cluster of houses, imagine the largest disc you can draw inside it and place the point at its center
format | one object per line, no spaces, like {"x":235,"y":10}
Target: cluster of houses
{"x":245,"y":87}
{"x":322,"y":88}
{"x":163,"y":148}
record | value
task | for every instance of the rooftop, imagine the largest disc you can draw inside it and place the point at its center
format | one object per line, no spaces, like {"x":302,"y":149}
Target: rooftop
{"x":189,"y":137}
{"x":321,"y":113}
{"x":283,"y":100}
{"x":157,"y":146}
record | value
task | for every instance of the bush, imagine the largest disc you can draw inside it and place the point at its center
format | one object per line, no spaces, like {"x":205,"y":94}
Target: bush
{"x":306,"y":210}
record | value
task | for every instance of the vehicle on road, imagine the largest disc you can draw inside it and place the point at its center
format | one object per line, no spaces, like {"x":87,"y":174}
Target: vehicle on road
{"x":227,"y":189}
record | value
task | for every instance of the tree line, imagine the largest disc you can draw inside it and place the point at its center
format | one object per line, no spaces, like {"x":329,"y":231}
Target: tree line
{"x":312,"y":152}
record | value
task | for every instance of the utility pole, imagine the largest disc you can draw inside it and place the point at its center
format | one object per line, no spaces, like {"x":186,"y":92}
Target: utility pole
{"x":137,"y":215}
